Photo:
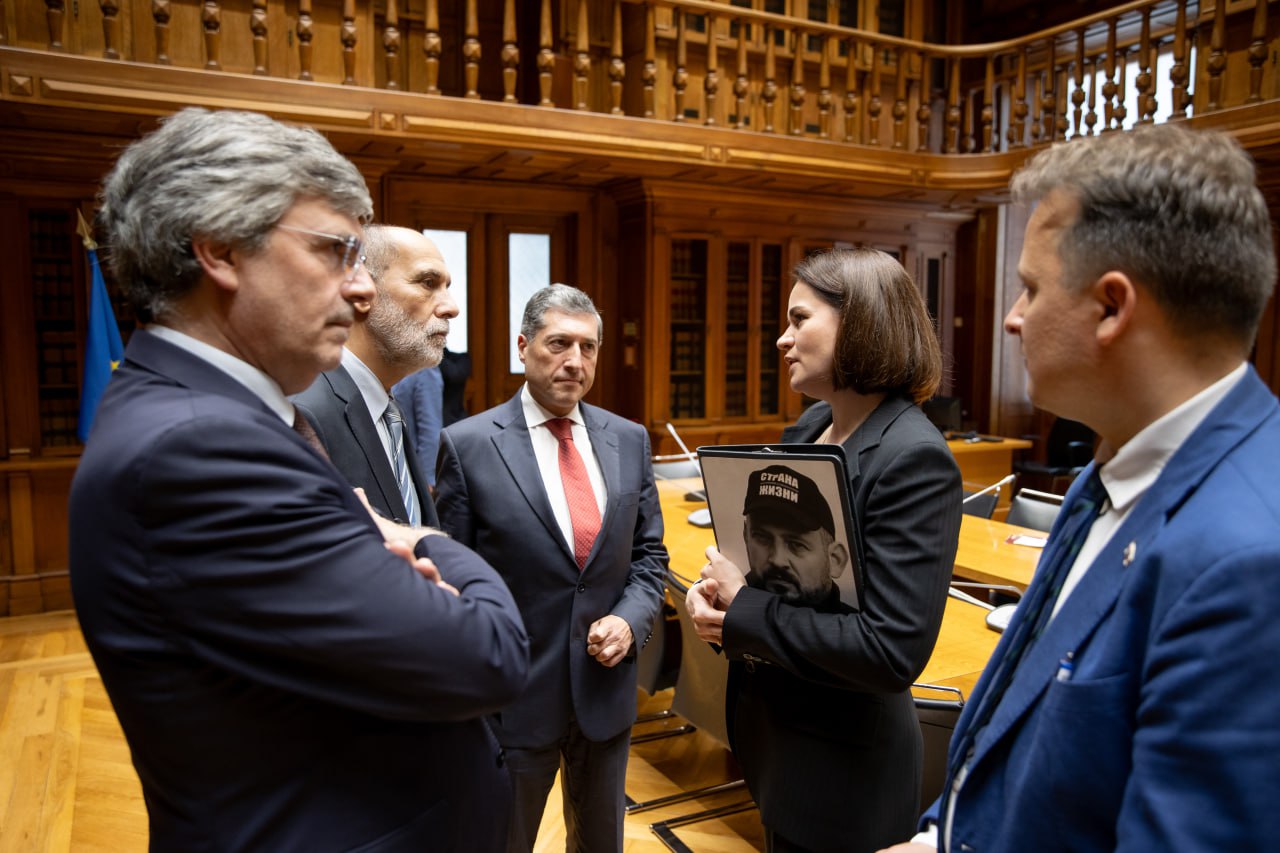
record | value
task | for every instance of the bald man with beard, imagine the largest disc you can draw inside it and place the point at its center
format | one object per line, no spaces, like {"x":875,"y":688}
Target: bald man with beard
{"x":400,"y":331}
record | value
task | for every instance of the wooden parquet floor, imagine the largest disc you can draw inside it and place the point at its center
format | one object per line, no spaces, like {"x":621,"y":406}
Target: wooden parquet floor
{"x":67,"y":783}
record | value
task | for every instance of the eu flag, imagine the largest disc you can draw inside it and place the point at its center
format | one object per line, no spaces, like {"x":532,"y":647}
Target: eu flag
{"x":103,"y":349}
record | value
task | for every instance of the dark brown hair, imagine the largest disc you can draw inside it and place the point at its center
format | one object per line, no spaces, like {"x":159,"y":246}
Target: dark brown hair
{"x":886,"y":341}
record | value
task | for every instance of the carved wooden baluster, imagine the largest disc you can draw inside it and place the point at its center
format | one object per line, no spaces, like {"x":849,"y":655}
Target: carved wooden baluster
{"x":951,"y":139}
{"x":110,"y":27}
{"x":617,"y":67}
{"x":54,"y":12}
{"x":680,"y":77}
{"x":649,"y":74}
{"x":432,"y":46}
{"x":1091,"y":117}
{"x":1217,"y":56}
{"x":824,"y":91}
{"x":391,"y":45}
{"x":1143,"y":81}
{"x":1257,"y":51}
{"x":923,"y":112}
{"x":348,"y":36}
{"x":1178,"y":73}
{"x":581,"y":59}
{"x":546,"y":58}
{"x":1109,"y":85}
{"x":510,"y":52}
{"x":305,"y":34}
{"x":1062,"y":125}
{"x":1121,"y":112}
{"x":795,"y":120}
{"x":873,"y":100}
{"x":211,"y":17}
{"x":900,"y":100}
{"x":1017,"y":127}
{"x":471,"y":52}
{"x":970,"y":141}
{"x":711,"y":81}
{"x":258,"y":26}
{"x":988,"y":108}
{"x":851,"y":99}
{"x":1035,"y":126}
{"x":1152,"y":101}
{"x":160,"y":15}
{"x":1049,"y":95}
{"x":741,"y":85}
{"x":1077,"y":94}
{"x":769,"y":94}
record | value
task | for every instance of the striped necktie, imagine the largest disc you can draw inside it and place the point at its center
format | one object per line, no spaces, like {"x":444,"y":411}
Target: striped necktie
{"x":584,"y":512}
{"x":394,"y":419}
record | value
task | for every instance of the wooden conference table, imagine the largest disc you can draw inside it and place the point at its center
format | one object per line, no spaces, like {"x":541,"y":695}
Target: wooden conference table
{"x":964,"y":643}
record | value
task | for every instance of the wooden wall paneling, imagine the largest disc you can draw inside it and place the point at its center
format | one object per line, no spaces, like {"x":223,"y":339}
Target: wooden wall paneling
{"x":22,"y":422}
{"x":634,"y":260}
{"x":1011,"y":411}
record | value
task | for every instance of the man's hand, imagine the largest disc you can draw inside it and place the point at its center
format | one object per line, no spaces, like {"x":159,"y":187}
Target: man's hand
{"x":700,"y":601}
{"x":390,"y":530}
{"x":421,"y":565}
{"x":609,"y":639}
{"x":728,"y":577}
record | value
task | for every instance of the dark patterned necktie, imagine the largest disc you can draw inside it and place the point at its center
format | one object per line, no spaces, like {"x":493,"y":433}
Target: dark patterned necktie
{"x":584,"y":512}
{"x":303,"y":427}
{"x":394,"y":419}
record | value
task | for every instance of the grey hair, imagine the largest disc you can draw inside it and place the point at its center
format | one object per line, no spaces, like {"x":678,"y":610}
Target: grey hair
{"x":227,"y":176}
{"x":380,"y":250}
{"x":557,"y":297}
{"x":1179,"y":211}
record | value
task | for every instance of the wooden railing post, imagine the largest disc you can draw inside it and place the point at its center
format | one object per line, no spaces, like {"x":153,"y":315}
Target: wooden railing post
{"x":769,"y":94}
{"x":923,"y":111}
{"x":680,"y":78}
{"x":160,"y":18}
{"x":54,"y":12}
{"x":432,"y":46}
{"x":851,"y":99}
{"x":1049,"y":96}
{"x":741,"y":83}
{"x":649,"y":75}
{"x":1017,"y":127}
{"x":1146,"y":107}
{"x":873,"y":100}
{"x":211,"y":18}
{"x":795,"y":120}
{"x":391,"y":45}
{"x":1077,"y":94}
{"x":711,"y":80}
{"x":988,"y":105}
{"x":110,"y":28}
{"x":305,"y":35}
{"x":471,"y":52}
{"x":349,"y":42}
{"x":510,"y":56}
{"x":951,"y":139}
{"x":1109,"y":86}
{"x":617,"y":68}
{"x":582,"y":59}
{"x":258,"y":26}
{"x":1178,"y":73}
{"x":1217,"y":56}
{"x":1257,"y":51}
{"x":900,"y":100}
{"x":1091,"y":118}
{"x":824,"y":90}
{"x":1121,"y":112}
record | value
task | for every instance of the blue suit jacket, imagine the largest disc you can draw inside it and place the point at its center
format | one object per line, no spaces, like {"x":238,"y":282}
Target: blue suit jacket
{"x":284,"y":682}
{"x":1167,"y":734}
{"x":490,"y":497}
{"x":339,"y":415}
{"x":421,"y":398}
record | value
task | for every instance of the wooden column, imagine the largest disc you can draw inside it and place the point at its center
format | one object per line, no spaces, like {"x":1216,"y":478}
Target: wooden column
{"x":617,"y":67}
{"x":432,"y":46}
{"x":711,"y":80}
{"x":305,"y":34}
{"x":160,"y":12}
{"x":581,"y":59}
{"x":211,"y":18}
{"x":258,"y":26}
{"x":471,"y":52}
{"x":110,"y":28}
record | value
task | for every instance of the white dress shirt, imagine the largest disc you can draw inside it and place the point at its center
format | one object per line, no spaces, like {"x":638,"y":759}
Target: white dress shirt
{"x":263,"y":386}
{"x":546,"y":448}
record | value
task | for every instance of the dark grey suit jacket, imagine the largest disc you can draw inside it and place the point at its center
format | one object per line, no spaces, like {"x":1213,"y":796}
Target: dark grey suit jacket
{"x":826,"y":730}
{"x":285,"y":683}
{"x":491,"y":497}
{"x":339,"y":415}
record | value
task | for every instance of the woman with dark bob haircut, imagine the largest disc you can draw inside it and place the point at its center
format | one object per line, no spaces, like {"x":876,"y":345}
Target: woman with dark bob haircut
{"x":819,"y":704}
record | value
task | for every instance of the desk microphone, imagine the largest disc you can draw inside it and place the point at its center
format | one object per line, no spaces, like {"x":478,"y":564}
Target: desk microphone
{"x":994,"y":487}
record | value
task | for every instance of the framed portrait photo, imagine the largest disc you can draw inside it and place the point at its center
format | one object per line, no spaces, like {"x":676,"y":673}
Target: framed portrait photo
{"x":781,"y":513}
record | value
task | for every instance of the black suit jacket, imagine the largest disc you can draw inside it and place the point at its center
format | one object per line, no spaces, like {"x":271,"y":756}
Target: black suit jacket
{"x":340,"y":417}
{"x":491,"y":497}
{"x":825,"y":727}
{"x":284,"y":682}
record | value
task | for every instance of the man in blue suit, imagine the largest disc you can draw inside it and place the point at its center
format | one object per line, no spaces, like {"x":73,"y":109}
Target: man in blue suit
{"x":1131,"y":703}
{"x":290,"y":672}
{"x":560,"y":496}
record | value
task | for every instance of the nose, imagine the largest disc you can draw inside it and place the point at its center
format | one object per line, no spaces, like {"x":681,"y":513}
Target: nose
{"x":1013,"y":320}
{"x":447,"y":308}
{"x":360,"y":288}
{"x":786,"y":340}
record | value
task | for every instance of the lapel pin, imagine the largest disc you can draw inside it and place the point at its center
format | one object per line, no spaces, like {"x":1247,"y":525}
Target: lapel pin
{"x":1130,"y":551}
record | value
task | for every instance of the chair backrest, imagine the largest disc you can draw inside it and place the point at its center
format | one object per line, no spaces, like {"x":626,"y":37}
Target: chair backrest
{"x":980,"y":505}
{"x":676,"y":469}
{"x":937,"y":722}
{"x":700,"y":686}
{"x":1034,"y":509}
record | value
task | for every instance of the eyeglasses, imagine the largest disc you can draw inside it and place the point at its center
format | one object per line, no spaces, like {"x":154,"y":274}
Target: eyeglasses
{"x":349,"y":249}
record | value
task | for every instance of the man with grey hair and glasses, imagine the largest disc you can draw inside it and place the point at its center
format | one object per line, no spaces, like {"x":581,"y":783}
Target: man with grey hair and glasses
{"x":290,"y":672}
{"x":1131,"y":702}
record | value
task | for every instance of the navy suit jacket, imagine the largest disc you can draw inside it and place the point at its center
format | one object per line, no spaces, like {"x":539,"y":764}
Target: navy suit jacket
{"x":339,"y":415}
{"x":491,"y":497}
{"x":284,"y":682}
{"x":421,"y":398}
{"x":822,"y":718}
{"x":1166,"y":735}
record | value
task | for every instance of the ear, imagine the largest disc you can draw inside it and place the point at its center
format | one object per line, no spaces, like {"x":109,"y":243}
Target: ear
{"x":363,"y":307}
{"x":219,"y":261}
{"x":837,"y":559}
{"x":521,"y":344}
{"x":1117,"y":297}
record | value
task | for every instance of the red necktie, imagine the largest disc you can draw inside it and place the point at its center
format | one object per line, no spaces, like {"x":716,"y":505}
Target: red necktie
{"x":584,"y":512}
{"x":303,"y":427}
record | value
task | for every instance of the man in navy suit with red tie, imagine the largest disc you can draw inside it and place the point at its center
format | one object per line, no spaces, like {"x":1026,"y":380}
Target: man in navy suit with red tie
{"x":290,"y":672}
{"x":1131,"y":702}
{"x":559,"y":495}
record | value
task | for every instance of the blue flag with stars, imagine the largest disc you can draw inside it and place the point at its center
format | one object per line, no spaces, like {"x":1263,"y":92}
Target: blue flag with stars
{"x":103,"y":350}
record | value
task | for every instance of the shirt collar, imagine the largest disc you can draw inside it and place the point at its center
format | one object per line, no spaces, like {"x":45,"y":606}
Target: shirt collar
{"x":263,"y":386}
{"x":535,"y":415}
{"x":1131,"y":471}
{"x":370,"y":387}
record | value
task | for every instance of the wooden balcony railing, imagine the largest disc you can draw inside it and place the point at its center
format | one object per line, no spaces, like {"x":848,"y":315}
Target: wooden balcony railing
{"x":706,"y":62}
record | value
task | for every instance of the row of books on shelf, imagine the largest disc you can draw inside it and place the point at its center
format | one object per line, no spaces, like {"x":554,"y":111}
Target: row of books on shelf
{"x":688,"y":301}
{"x":59,"y":417}
{"x":689,"y":257}
{"x":688,"y":398}
{"x":735,"y":397}
{"x":59,"y":362}
{"x":688,"y":354}
{"x":52,"y":233}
